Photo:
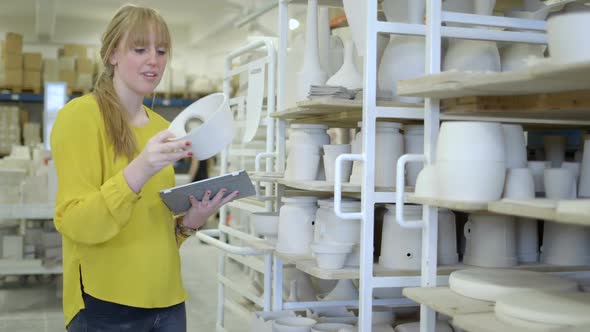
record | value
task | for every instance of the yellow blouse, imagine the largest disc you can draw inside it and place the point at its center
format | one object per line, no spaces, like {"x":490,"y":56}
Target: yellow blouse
{"x":120,"y":245}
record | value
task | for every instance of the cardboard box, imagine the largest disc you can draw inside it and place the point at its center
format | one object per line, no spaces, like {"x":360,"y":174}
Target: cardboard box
{"x":74,"y":50}
{"x":84,"y":81}
{"x":12,"y":78}
{"x":32,"y":79}
{"x":68,"y":76}
{"x":84,"y":66}
{"x":33,"y":61}
{"x":12,"y":61}
{"x":67,"y":63}
{"x":13,"y":43}
{"x":50,"y":70}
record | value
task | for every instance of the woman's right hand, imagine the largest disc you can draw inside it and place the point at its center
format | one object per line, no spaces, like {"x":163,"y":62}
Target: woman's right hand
{"x":158,"y":153}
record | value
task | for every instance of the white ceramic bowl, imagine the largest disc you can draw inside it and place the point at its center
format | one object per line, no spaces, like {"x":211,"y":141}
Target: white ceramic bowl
{"x":265,"y":223}
{"x":470,"y":140}
{"x":329,"y":327}
{"x":331,"y":255}
{"x":293,"y":324}
{"x":565,"y":34}
{"x":475,"y":181}
{"x":216,"y":130}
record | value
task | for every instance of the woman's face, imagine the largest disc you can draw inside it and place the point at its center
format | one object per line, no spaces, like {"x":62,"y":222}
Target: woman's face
{"x":139,"y":69}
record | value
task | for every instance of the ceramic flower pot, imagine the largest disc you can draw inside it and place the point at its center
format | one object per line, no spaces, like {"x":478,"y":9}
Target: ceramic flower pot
{"x":491,"y":240}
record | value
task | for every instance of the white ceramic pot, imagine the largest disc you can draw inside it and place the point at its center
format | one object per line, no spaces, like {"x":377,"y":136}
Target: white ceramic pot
{"x":519,"y":184}
{"x":475,"y":181}
{"x":538,"y":170}
{"x":555,"y":149}
{"x":565,"y":245}
{"x":331,"y":152}
{"x":293,"y":324}
{"x":566,"y":43}
{"x":491,"y":240}
{"x":296,"y":225}
{"x":401,"y":248}
{"x":426,"y":182}
{"x":584,"y":181}
{"x":559,"y":184}
{"x":413,"y":144}
{"x":527,"y":240}
{"x":447,"y":238}
{"x":515,"y":146}
{"x":311,"y":134}
{"x":573,"y":167}
{"x":347,"y":76}
{"x":311,"y":72}
{"x":516,"y":56}
{"x":303,"y":162}
{"x":389,"y":147}
{"x":265,"y":223}
{"x":331,"y":255}
{"x":471,"y":141}
{"x":330,"y":228}
{"x":215,"y":131}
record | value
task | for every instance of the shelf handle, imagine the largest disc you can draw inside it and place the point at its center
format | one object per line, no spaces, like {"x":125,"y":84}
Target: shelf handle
{"x":338,"y":186}
{"x":210,"y":236}
{"x":400,"y":184}
{"x":259,"y":157}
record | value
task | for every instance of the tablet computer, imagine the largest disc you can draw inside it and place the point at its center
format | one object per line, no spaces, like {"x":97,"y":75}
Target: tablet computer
{"x":177,"y":200}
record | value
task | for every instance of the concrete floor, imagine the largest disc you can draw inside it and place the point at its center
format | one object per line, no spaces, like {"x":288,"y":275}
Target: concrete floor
{"x":38,"y":310}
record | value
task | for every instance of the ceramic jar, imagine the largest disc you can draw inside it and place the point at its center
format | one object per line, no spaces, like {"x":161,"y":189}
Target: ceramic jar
{"x":331,"y":152}
{"x":389,"y":146}
{"x":566,"y":43}
{"x":555,"y":149}
{"x":470,"y":162}
{"x":313,"y":135}
{"x":413,"y":144}
{"x":401,"y":248}
{"x":491,"y":240}
{"x":330,"y":228}
{"x":296,"y":218}
{"x":303,"y":162}
{"x":565,"y":245}
{"x":516,"y":155}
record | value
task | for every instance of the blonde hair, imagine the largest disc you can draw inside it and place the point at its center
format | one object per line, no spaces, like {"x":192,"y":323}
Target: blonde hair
{"x":132,"y":23}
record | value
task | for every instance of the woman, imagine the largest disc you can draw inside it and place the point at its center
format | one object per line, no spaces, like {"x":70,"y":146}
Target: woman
{"x":113,"y":155}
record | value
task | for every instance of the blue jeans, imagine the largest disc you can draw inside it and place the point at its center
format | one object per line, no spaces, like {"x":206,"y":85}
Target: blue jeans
{"x":99,"y":316}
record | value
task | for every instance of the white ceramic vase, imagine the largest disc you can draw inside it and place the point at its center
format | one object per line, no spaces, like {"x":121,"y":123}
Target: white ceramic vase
{"x":296,"y":219}
{"x":311,"y":73}
{"x":347,"y":76}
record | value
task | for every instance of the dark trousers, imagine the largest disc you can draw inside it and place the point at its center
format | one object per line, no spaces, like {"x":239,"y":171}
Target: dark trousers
{"x":99,"y":316}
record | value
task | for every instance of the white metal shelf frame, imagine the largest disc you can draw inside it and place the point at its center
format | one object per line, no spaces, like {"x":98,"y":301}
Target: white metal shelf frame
{"x":218,"y":237}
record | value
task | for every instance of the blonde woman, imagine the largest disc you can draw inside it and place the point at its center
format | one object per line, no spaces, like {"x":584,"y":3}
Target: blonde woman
{"x":113,"y":155}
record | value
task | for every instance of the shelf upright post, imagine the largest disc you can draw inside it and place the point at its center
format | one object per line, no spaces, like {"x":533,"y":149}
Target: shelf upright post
{"x":431,"y":125}
{"x":369,"y":125}
{"x":283,"y":28}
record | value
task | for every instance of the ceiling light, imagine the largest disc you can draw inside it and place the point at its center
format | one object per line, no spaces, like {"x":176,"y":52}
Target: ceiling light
{"x":293,"y":24}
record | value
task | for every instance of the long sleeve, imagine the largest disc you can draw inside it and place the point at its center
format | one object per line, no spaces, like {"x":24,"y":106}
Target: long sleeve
{"x":89,"y":209}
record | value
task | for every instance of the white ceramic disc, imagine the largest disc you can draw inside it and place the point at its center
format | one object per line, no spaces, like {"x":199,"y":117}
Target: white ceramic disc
{"x":490,"y":284}
{"x":555,"y":308}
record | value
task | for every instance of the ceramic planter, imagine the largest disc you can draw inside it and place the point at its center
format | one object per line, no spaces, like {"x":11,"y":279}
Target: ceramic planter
{"x":566,"y":43}
{"x":401,"y":248}
{"x":491,"y":240}
{"x":296,"y":219}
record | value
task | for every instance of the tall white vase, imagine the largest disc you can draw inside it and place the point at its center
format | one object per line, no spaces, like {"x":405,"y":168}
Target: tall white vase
{"x":356,"y":16}
{"x":404,"y":56}
{"x":311,"y":72}
{"x":324,"y":38}
{"x":347,"y":76}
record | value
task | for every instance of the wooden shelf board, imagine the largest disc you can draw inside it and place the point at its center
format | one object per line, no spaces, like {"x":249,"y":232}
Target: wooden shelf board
{"x":575,"y":212}
{"x":329,"y":186}
{"x":453,"y":205}
{"x":488,"y":322}
{"x":543,"y":77}
{"x":442,"y":299}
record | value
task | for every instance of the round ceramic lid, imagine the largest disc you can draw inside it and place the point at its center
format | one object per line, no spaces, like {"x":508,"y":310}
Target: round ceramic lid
{"x":490,"y":284}
{"x":556,"y":308}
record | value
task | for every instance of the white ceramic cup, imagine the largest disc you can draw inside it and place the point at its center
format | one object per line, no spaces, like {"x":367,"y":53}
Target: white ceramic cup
{"x":559,"y":184}
{"x":519,"y":184}
{"x":331,"y":152}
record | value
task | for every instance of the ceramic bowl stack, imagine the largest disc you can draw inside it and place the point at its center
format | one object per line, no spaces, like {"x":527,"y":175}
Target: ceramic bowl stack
{"x":471,"y":163}
{"x":211,"y":125}
{"x":336,"y":239}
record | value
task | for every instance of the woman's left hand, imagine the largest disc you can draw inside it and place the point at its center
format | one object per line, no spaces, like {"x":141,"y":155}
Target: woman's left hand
{"x":199,"y":212}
